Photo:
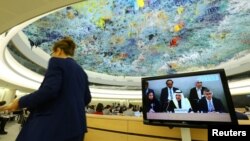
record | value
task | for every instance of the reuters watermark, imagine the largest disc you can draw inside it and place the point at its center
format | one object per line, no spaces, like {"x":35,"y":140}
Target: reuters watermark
{"x":240,"y":132}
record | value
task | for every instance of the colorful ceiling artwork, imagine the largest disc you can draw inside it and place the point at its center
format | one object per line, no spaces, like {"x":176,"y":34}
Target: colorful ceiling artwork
{"x":149,"y":37}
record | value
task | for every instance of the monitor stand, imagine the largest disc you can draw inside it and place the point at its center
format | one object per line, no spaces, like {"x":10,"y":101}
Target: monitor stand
{"x":185,"y":134}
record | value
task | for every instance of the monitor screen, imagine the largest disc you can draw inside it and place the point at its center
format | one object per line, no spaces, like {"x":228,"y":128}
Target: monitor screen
{"x":195,"y":99}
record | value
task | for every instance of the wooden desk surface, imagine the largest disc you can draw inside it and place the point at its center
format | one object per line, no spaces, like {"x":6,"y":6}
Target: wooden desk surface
{"x":128,"y":128}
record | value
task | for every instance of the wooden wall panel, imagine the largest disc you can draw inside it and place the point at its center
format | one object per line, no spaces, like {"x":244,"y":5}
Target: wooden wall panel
{"x":199,"y":134}
{"x":110,"y":124}
{"x":140,"y":128}
{"x":122,"y":128}
{"x":97,"y":135}
{"x":139,"y":138}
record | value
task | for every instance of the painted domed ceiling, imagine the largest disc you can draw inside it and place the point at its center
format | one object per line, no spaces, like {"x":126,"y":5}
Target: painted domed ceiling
{"x":149,"y":37}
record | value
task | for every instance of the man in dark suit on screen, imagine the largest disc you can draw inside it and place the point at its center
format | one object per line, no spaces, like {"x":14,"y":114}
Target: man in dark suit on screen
{"x":147,"y":90}
{"x":196,"y":93}
{"x":210,"y":104}
{"x":167,"y":94}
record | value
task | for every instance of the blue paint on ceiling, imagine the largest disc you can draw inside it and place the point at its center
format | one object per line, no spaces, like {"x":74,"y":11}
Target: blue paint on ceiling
{"x":149,"y":37}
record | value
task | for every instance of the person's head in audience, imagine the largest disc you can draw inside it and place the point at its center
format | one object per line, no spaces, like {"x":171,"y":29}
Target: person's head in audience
{"x":92,"y":106}
{"x":122,"y":109}
{"x":99,"y":107}
{"x":107,"y":107}
{"x":130,"y":106}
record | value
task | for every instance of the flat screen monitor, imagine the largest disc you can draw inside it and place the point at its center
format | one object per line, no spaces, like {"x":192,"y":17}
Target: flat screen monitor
{"x":195,"y":99}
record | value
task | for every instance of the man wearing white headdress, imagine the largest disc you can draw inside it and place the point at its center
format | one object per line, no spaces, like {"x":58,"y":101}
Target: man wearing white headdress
{"x":179,"y":103}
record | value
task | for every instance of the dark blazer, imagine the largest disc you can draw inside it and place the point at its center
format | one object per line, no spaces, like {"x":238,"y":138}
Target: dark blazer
{"x":194,"y":99}
{"x":164,"y":97}
{"x":218,"y":106}
{"x":57,"y":107}
{"x":155,"y":103}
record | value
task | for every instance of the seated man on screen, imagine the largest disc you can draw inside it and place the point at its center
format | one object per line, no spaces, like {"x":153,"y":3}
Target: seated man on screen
{"x":179,"y":104}
{"x":167,"y":94}
{"x":196,"y":93}
{"x":152,"y":104}
{"x":209,"y":103}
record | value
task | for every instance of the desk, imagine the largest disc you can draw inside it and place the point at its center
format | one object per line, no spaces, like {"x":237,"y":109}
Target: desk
{"x":244,"y":122}
{"x":125,"y":128}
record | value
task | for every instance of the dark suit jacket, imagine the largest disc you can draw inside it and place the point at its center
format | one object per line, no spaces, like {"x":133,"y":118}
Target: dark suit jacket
{"x":156,"y":105}
{"x":57,"y":107}
{"x":218,"y":106}
{"x":194,"y":99}
{"x":164,"y":97}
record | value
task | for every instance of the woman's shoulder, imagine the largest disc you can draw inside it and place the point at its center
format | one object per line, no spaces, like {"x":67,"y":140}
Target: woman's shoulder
{"x":61,"y":60}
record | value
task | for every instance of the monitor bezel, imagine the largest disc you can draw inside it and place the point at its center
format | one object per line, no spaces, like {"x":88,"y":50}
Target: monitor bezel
{"x":192,"y":124}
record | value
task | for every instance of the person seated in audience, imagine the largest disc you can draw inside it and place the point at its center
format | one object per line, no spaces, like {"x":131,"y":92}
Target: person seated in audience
{"x":99,"y":109}
{"x":210,"y":103}
{"x":179,"y":103}
{"x":91,"y":109}
{"x":129,"y":111}
{"x":107,"y":110}
{"x":152,"y":104}
{"x":122,"y":109}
